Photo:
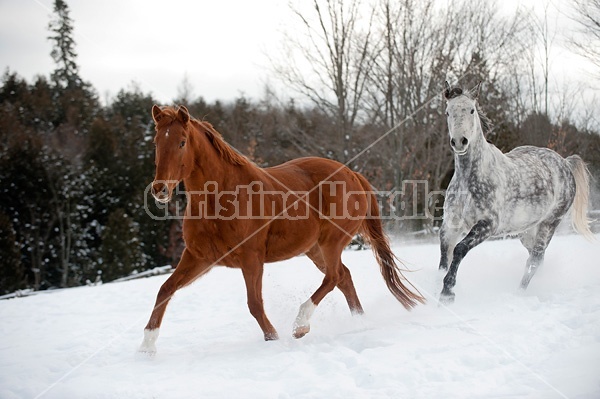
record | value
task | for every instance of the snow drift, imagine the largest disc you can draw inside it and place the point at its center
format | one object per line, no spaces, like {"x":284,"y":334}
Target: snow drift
{"x":493,"y":342}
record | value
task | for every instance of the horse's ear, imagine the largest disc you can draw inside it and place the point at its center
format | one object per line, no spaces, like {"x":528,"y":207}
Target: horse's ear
{"x":476,"y":90}
{"x":156,"y":113}
{"x":446,"y":90}
{"x":183,"y":114}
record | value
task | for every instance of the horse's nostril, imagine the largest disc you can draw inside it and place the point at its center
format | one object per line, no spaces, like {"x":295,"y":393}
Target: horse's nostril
{"x":453,"y":142}
{"x":464,"y":141}
{"x":159,"y":189}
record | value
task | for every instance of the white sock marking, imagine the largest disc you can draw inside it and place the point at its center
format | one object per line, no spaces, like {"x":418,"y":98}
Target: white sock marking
{"x":306,"y":311}
{"x":149,"y":343}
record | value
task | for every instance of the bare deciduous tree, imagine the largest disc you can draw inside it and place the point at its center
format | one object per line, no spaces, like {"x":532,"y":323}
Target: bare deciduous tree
{"x":185,"y":91}
{"x":537,"y":45}
{"x":587,"y":43}
{"x":422,"y":43}
{"x":328,"y":63}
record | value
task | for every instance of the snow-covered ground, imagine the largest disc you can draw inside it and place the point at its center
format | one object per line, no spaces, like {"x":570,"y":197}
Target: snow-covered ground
{"x":493,"y":342}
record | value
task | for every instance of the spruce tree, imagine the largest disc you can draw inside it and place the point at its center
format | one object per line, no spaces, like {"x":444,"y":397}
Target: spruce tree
{"x":76,"y":103}
{"x":12,"y":273}
{"x":66,"y":74}
{"x":121,"y":251}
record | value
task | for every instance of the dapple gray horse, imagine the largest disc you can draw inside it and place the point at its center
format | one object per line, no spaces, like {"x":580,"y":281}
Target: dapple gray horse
{"x":525,"y":192}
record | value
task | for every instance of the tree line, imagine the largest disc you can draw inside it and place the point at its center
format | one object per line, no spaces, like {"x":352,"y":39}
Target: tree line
{"x":74,"y":172}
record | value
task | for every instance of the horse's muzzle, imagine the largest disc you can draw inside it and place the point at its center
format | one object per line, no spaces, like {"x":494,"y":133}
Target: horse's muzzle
{"x":160,"y":192}
{"x":459,"y":146}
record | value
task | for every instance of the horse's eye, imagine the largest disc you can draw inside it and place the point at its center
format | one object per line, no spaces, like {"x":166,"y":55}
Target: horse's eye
{"x":182,"y":144}
{"x":472,"y":111}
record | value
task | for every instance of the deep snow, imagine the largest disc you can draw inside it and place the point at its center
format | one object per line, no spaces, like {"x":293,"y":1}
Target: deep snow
{"x":492,"y":342}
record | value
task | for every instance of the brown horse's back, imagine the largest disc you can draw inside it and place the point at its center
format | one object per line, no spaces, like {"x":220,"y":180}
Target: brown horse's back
{"x":309,"y":172}
{"x":325,"y":193}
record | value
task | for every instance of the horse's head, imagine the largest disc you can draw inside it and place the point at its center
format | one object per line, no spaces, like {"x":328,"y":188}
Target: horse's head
{"x":464,"y":125}
{"x":174,"y":158}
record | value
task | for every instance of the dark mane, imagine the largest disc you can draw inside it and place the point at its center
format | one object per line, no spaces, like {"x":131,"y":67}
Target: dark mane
{"x":453,"y":93}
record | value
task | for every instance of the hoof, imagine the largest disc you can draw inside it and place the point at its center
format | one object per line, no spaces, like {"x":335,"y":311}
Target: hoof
{"x":447,"y":298}
{"x":524,"y":284}
{"x":149,"y":344}
{"x":357,"y":311}
{"x":302,"y":323}
{"x":301,"y":331}
{"x":271,"y":336}
{"x":148,"y":350}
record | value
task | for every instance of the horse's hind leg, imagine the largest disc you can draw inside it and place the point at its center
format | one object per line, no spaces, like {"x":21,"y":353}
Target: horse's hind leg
{"x":536,"y":241}
{"x":333,"y":275}
{"x":346,"y":285}
{"x":188,"y":269}
{"x":253,"y":273}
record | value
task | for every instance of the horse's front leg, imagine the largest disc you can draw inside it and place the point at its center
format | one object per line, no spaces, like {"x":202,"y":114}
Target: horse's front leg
{"x":479,"y":233}
{"x":448,"y":238}
{"x":188,"y":269}
{"x":252,"y":270}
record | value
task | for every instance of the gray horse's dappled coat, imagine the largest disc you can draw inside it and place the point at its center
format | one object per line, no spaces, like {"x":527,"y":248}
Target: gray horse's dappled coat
{"x":525,"y":192}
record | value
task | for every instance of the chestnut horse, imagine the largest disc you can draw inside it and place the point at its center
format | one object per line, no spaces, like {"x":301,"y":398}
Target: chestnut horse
{"x":240,"y":215}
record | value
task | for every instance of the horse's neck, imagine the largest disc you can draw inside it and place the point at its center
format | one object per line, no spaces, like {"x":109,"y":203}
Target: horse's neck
{"x":478,"y":162}
{"x":210,"y":166}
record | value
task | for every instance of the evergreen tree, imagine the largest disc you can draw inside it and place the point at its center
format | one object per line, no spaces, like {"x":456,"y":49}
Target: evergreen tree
{"x":120,"y":164}
{"x":75,"y":101}
{"x":63,"y":53}
{"x":12,"y":274}
{"x":121,"y":251}
{"x":26,"y":199}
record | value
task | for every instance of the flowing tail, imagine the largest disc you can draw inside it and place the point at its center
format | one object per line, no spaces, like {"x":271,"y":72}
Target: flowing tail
{"x":372,"y":231}
{"x":581,"y":223}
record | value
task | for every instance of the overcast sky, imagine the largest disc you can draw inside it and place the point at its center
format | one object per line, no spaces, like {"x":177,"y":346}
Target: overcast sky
{"x":220,"y":44}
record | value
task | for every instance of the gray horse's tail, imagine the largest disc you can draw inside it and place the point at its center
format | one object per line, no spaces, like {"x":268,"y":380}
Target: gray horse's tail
{"x":581,"y":223}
